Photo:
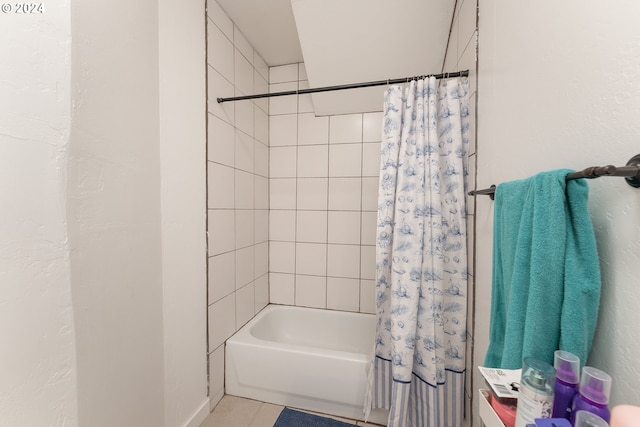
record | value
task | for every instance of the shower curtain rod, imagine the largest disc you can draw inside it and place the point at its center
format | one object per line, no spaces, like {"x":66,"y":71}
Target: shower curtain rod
{"x":631,"y":172}
{"x":463,"y":73}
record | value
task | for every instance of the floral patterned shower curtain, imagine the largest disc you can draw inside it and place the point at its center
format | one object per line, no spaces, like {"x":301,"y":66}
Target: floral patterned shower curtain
{"x":418,"y":368}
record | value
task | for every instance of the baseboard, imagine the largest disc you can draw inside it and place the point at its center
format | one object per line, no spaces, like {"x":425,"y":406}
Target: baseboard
{"x":199,"y":415}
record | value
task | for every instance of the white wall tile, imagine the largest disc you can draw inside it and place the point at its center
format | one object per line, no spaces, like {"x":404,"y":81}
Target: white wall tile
{"x":261,"y":192}
{"x":313,"y":161}
{"x":222,"y":320}
{"x":281,"y":288}
{"x":261,"y":165}
{"x":313,"y":193}
{"x":262,"y":292}
{"x":286,"y":104}
{"x":345,"y":194}
{"x":371,"y":159}
{"x":219,"y":18}
{"x":283,"y":73}
{"x":216,"y":372}
{"x":311,"y":291}
{"x":369,"y":194}
{"x":261,"y":225}
{"x":245,"y":222}
{"x":244,"y":151}
{"x":244,"y":116}
{"x":260,"y":86}
{"x":283,"y":130}
{"x":345,"y":160}
{"x":345,"y":128}
{"x":220,"y":141}
{"x":219,"y":87}
{"x":222,"y":279}
{"x":312,"y":130}
{"x":372,"y":127}
{"x":261,"y":258}
{"x":282,"y":193}
{"x":220,"y":186}
{"x":260,"y":66}
{"x":243,"y":75}
{"x":244,"y":190}
{"x":305,"y":103}
{"x":245,"y":304}
{"x":220,"y":52}
{"x":311,"y":259}
{"x":367,"y":262}
{"x":242,"y":44}
{"x":221,"y":229}
{"x":282,"y":162}
{"x":343,"y":261}
{"x":282,"y":256}
{"x":369,"y":230}
{"x":261,"y":129}
{"x":344,"y":227}
{"x":311,"y":226}
{"x":368,"y":296}
{"x":302,"y":71}
{"x":245,"y":262}
{"x":282,"y":225}
{"x":343,"y":294}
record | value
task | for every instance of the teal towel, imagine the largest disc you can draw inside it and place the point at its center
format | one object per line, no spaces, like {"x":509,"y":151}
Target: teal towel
{"x":546,"y":275}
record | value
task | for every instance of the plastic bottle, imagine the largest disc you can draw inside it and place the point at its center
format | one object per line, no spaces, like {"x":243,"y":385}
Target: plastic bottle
{"x":593,"y":394}
{"x":535,"y":397}
{"x":587,"y":419}
{"x":567,"y":377}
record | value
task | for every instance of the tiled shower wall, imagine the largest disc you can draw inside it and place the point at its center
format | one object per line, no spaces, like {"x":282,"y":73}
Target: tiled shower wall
{"x":238,"y":187}
{"x":323,"y":198}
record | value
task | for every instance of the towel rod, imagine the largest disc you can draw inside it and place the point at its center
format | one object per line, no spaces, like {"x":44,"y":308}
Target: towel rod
{"x":631,"y":172}
{"x":463,"y":73}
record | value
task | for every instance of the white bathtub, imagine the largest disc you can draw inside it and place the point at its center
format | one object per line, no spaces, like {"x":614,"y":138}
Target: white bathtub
{"x":304,"y":358}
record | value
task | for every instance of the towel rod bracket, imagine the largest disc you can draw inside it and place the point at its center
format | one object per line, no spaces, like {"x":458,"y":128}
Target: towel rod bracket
{"x":634,"y":181}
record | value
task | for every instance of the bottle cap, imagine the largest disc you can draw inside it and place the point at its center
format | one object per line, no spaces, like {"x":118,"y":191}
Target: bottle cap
{"x":567,"y":366}
{"x":538,"y":374}
{"x":595,"y":385}
{"x":587,"y":419}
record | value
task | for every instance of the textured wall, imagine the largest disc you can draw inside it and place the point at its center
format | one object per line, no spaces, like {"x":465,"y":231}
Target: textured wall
{"x":37,"y":360}
{"x":113,"y":202}
{"x":558,"y":87}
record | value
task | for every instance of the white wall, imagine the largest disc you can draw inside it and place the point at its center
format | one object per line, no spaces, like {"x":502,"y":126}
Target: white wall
{"x":183,"y":206}
{"x":559,"y":87}
{"x":238,"y":187}
{"x":114,"y":214}
{"x":37,"y":360}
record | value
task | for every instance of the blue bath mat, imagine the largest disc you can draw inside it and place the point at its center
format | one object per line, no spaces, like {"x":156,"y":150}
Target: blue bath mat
{"x":290,"y":418}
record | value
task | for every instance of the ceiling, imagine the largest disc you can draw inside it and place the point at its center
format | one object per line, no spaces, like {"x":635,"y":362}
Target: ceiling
{"x":347,"y":41}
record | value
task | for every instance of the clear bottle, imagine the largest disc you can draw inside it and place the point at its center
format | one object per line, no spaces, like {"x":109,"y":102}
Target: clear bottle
{"x":587,"y":419}
{"x":567,"y":378}
{"x":535,"y":397}
{"x":593,"y":394}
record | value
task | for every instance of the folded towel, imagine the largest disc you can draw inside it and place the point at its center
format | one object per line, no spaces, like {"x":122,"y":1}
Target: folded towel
{"x":546,"y":275}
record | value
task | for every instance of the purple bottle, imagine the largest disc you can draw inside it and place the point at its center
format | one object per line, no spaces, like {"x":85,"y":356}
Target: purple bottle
{"x":593,"y":394}
{"x":567,"y":372}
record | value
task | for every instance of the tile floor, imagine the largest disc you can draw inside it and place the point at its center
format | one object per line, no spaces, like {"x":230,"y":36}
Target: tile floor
{"x":235,"y":411}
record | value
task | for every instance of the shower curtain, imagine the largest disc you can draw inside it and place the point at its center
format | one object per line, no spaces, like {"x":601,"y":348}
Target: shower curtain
{"x":418,"y":367}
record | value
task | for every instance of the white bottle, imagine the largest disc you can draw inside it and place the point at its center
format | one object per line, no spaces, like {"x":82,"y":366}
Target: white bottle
{"x":535,"y":397}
